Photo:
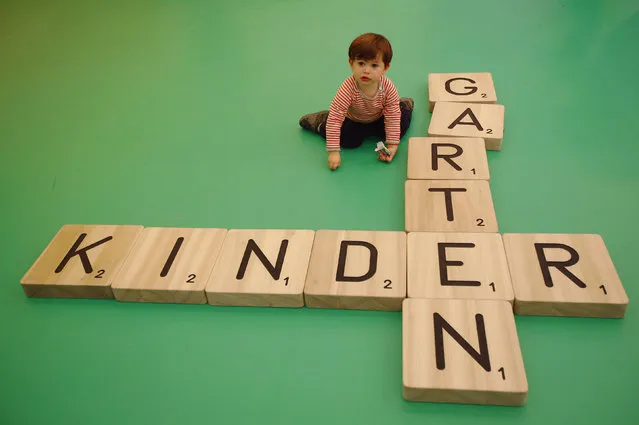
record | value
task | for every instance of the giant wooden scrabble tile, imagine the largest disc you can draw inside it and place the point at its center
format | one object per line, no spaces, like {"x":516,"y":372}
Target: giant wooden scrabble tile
{"x":361,"y":270}
{"x":80,"y":261}
{"x":472,"y":87}
{"x":458,"y":266}
{"x":169,"y":265}
{"x":449,"y":206}
{"x":462,"y":351}
{"x":262,"y":268}
{"x":447,"y":158}
{"x":564,"y":275}
{"x":452,"y":119}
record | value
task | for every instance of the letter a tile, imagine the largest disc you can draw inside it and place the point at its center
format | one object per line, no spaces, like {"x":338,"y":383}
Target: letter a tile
{"x":169,"y":265}
{"x":564,"y":275}
{"x":458,"y":266}
{"x":452,"y":119}
{"x":359,"y":270}
{"x":80,"y":261}
{"x":462,"y":351}
{"x":449,"y":206}
{"x":447,"y":158}
{"x":474,"y":87}
{"x":261,"y":268}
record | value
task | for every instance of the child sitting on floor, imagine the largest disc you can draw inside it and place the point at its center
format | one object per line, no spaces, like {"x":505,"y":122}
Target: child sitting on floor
{"x":366,"y":104}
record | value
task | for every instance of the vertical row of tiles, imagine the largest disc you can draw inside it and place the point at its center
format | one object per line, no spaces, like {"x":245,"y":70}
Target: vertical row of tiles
{"x":465,"y":280}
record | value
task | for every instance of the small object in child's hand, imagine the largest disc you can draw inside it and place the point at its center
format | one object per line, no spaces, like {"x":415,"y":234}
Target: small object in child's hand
{"x":383,"y":148}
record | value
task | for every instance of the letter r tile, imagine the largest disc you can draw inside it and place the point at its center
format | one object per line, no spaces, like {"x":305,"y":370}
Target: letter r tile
{"x":356,"y":269}
{"x":564,"y":275}
{"x":80,"y":261}
{"x":447,"y":158}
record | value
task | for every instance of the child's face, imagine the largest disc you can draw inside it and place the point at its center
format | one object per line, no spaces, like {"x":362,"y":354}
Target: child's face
{"x":368,"y":71}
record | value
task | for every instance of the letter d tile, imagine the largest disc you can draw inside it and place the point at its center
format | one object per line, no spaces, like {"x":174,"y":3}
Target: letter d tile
{"x":358,"y":270}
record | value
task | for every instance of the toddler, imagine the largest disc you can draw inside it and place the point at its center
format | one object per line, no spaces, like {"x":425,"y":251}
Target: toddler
{"x":366,"y":104}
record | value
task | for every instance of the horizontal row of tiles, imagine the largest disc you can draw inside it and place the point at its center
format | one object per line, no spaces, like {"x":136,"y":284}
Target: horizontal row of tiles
{"x":556,"y":274}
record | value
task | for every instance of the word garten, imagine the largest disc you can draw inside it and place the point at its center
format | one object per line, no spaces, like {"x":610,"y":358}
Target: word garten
{"x":457,"y":281}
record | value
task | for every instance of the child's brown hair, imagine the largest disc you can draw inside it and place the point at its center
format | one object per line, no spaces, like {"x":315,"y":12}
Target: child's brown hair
{"x":368,"y":45}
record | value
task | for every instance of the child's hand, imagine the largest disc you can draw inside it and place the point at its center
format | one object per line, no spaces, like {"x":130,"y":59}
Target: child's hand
{"x":386,"y":158}
{"x":334,"y":160}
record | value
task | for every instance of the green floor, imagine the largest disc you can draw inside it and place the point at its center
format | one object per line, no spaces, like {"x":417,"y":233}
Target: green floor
{"x":185,"y":113}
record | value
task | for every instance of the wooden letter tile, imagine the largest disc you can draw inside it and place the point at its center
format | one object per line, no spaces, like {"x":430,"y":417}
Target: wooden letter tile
{"x":360,"y":270}
{"x":262,"y":268}
{"x":473,"y":87}
{"x":169,"y":265}
{"x":80,"y":261}
{"x":564,"y":275}
{"x":462,"y":351}
{"x":449,"y":206}
{"x":458,"y":266}
{"x":452,"y":119}
{"x":447,"y":158}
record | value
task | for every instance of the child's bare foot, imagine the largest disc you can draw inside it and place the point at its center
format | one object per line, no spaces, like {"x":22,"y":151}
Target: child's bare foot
{"x":312,"y":122}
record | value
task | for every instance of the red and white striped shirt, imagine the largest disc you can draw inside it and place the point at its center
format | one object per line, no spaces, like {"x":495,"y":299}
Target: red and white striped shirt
{"x":352,"y":103}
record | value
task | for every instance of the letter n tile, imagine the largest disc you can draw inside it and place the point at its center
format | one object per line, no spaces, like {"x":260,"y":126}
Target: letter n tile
{"x":462,"y":351}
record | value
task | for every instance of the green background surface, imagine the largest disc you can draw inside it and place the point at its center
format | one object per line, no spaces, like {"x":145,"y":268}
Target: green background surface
{"x":185,"y":113}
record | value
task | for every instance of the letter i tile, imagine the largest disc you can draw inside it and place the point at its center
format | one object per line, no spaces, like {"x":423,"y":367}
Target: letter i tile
{"x":169,"y":265}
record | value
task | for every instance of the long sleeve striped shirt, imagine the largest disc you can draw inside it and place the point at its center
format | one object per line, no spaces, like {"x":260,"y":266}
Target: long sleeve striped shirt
{"x":350,"y":102}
